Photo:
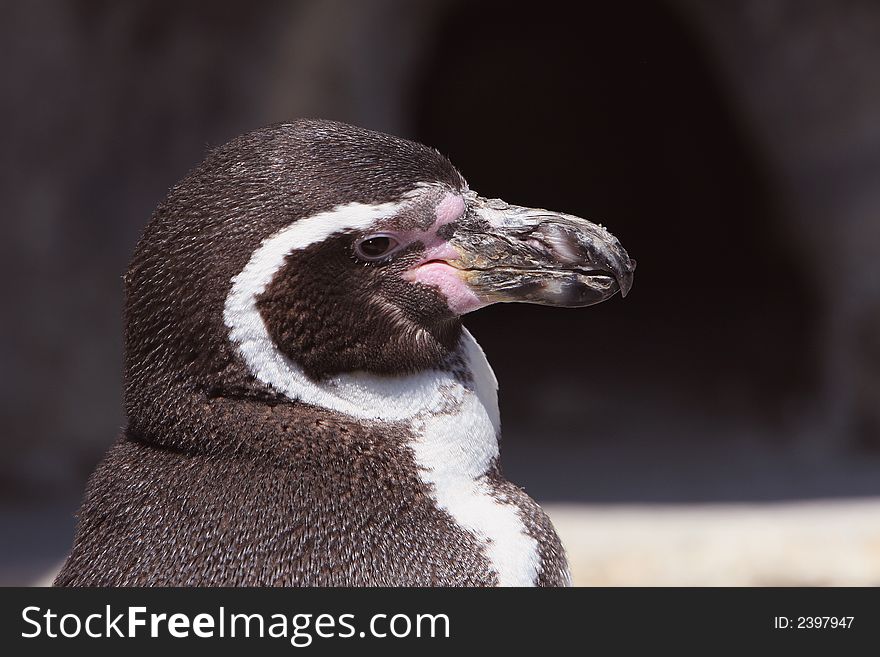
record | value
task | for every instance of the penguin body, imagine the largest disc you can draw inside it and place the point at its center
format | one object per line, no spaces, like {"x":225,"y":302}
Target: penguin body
{"x":304,"y":406}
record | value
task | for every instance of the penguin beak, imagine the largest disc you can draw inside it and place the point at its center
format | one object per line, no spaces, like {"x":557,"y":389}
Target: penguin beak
{"x":509,"y":253}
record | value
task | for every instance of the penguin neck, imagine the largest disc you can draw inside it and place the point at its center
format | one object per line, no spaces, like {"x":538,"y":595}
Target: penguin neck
{"x":453,"y":421}
{"x":456,"y":402}
{"x":450,"y":411}
{"x":464,"y":373}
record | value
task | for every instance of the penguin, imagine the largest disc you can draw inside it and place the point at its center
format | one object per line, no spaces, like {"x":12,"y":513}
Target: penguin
{"x":304,"y":406}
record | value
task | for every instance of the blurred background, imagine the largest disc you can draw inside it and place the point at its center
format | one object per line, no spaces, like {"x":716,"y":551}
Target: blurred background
{"x":719,"y":426}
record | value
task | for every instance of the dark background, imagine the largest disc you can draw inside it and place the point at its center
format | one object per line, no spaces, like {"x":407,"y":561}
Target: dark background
{"x":733,"y":147}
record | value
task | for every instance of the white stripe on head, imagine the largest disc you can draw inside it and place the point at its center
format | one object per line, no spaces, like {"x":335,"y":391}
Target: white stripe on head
{"x":456,"y":425}
{"x":354,"y":394}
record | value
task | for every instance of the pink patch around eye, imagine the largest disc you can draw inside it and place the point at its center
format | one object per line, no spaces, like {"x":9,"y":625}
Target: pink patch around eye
{"x":445,"y":278}
{"x":449,"y":209}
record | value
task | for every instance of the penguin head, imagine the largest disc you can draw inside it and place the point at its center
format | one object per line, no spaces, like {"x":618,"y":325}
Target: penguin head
{"x":341,"y":250}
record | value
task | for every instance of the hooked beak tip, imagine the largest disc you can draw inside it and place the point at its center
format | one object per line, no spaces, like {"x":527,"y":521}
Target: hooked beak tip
{"x":625,"y":278}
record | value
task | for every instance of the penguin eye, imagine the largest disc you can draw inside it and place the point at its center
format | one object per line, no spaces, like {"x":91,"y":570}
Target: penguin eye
{"x":375,"y":247}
